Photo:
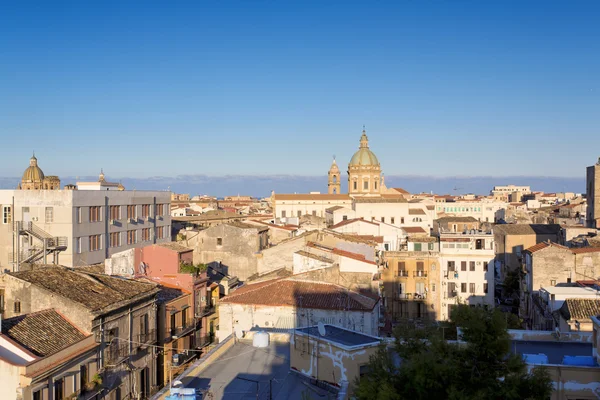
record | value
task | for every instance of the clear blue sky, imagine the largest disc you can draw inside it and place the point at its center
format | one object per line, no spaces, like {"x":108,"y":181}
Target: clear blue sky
{"x":261,"y":87}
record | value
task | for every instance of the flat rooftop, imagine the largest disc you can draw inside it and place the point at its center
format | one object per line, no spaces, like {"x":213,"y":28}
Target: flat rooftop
{"x":574,"y":290}
{"x":341,"y":336}
{"x":555,"y":351}
{"x":224,"y":377}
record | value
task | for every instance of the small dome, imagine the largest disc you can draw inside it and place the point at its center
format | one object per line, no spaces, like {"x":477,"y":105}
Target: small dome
{"x":364,"y":156}
{"x":33,"y":173}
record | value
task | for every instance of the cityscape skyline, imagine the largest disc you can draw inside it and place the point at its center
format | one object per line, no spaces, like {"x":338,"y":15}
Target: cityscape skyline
{"x":264,"y":87}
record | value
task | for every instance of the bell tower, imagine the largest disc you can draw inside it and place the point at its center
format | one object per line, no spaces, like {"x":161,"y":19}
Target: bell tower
{"x":333,"y":183}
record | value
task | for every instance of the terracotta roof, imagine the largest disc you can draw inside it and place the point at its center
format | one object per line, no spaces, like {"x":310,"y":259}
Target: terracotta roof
{"x":527,"y":229}
{"x":284,"y":227}
{"x":413,"y":229}
{"x":93,"y":291}
{"x":316,"y":197}
{"x":351,"y":221}
{"x":314,"y":256}
{"x":577,"y":250}
{"x":305,"y":294}
{"x":355,"y":256}
{"x":179,"y":248}
{"x":42,"y":333}
{"x":579,"y":309}
{"x":537,"y":247}
{"x":400,"y":190}
{"x":416,"y":211}
{"x":431,"y":207}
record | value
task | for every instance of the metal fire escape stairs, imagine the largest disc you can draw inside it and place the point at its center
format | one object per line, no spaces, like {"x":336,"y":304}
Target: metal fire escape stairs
{"x":43,"y":244}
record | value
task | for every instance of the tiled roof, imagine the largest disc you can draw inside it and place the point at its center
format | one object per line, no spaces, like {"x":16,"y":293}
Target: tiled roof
{"x":537,"y":247}
{"x":579,"y":309}
{"x":581,"y":250}
{"x":431,"y":207}
{"x":316,"y":197}
{"x":334,"y":208}
{"x":93,"y":291}
{"x":413,"y":229}
{"x":527,"y":229}
{"x":244,"y":225}
{"x":400,"y":190}
{"x":354,"y":256}
{"x":416,"y":211}
{"x":178,"y":247}
{"x":42,"y":333}
{"x":578,"y":250}
{"x":351,"y":221}
{"x":305,"y":294}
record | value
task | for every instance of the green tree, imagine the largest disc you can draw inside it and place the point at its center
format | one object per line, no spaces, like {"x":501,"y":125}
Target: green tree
{"x":196,"y":269}
{"x":512,"y":282}
{"x":429,"y":367}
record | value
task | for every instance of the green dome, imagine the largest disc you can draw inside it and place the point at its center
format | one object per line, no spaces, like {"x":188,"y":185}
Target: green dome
{"x":364,"y":156}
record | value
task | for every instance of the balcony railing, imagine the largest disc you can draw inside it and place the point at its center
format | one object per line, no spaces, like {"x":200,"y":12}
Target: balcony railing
{"x":183,"y":330}
{"x":206,"y":310}
{"x":203,"y":341}
{"x":147,"y":337}
{"x":419,"y":274}
{"x":116,"y":352}
{"x":451,"y":274}
{"x":402,"y":273}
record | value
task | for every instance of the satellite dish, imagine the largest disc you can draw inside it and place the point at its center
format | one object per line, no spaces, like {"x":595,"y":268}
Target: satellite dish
{"x":321,"y":328}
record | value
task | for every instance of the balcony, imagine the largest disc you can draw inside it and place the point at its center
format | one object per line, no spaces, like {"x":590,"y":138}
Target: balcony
{"x":451,"y":274}
{"x":181,"y":331}
{"x":419,"y":274}
{"x":206,"y":310}
{"x":452,"y":294}
{"x":402,"y":274}
{"x":146,"y":338}
{"x":203,"y":341}
{"x":115,"y":353}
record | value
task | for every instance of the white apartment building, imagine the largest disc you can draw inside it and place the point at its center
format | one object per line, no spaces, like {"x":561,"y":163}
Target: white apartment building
{"x":466,"y":270}
{"x":482,"y":210}
{"x":79,"y":227}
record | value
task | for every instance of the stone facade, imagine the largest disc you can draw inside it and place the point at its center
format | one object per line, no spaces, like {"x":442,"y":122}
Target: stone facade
{"x":593,"y":195}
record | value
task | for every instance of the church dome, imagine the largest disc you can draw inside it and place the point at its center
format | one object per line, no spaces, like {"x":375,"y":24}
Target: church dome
{"x":364,"y":156}
{"x":33,"y":173}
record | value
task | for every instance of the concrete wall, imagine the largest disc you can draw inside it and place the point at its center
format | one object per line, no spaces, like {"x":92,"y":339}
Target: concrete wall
{"x":325,"y":361}
{"x":240,"y":317}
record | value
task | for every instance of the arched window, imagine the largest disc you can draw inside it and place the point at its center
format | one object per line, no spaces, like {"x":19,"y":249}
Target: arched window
{"x":335,"y":179}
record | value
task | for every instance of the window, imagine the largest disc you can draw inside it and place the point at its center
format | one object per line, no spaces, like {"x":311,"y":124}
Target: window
{"x":146,"y":235}
{"x":1,"y":301}
{"x":283,"y":214}
{"x":451,"y":266}
{"x":553,"y":282}
{"x":383,"y":219}
{"x":59,"y":388}
{"x":184,"y":317}
{"x":463,"y":265}
{"x":430,"y":246}
{"x":6,"y":215}
{"x":95,"y":243}
{"x":344,"y":218}
{"x":401,"y":268}
{"x":83,"y":376}
{"x":366,"y":185}
{"x":37,"y":395}
{"x":131,"y":212}
{"x":131,"y":237}
{"x":160,"y":210}
{"x":471,"y":265}
{"x":162,"y":232}
{"x":145,"y":211}
{"x":420,"y":266}
{"x":401,"y":220}
{"x":375,"y":185}
{"x":17,"y":307}
{"x":299,"y":214}
{"x":463,"y":287}
{"x":94,"y":213}
{"x":471,"y":288}
{"x":433,"y":287}
{"x":115,"y":212}
{"x":49,"y":215}
{"x":420,"y":288}
{"x":77,"y":243}
{"x":417,"y":246}
{"x":392,"y":220}
{"x":115,"y":239}
{"x":485,"y":266}
{"x":354,"y":185}
{"x":78,"y":215}
{"x":173,"y":321}
{"x":219,"y":241}
{"x":144,"y":324}
{"x":485,"y":287}
{"x":314,"y":213}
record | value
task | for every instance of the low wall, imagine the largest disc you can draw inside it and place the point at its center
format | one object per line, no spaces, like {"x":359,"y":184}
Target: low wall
{"x":550,"y":336}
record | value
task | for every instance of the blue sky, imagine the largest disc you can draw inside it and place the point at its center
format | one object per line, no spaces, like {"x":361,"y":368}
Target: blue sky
{"x":444,"y":88}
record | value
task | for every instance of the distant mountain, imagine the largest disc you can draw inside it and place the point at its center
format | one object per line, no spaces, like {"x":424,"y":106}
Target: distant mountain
{"x":261,"y":186}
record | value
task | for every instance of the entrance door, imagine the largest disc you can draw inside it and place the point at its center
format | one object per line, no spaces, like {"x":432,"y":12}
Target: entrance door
{"x":26,"y":216}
